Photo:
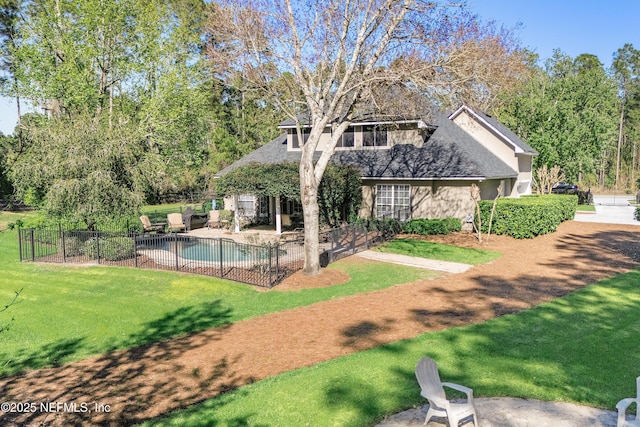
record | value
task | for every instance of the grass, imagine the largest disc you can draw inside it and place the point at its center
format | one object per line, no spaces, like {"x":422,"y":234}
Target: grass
{"x":582,"y":348}
{"x":66,"y":313}
{"x":7,"y":218}
{"x":425,"y":249}
{"x":586,"y":208}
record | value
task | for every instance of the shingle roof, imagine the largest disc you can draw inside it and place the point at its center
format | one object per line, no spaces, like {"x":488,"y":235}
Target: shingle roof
{"x":502,"y":129}
{"x":449,"y":153}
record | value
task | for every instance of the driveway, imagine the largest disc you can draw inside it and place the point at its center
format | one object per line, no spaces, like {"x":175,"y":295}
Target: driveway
{"x":610,"y":210}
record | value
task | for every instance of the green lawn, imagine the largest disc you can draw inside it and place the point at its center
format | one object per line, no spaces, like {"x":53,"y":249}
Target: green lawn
{"x":425,"y":249}
{"x":586,"y":208}
{"x":7,"y":218}
{"x":582,"y":348}
{"x":70,"y":312}
{"x":158,"y":213}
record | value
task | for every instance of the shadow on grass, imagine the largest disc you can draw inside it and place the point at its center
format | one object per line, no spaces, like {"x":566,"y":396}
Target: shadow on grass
{"x":155,"y":371}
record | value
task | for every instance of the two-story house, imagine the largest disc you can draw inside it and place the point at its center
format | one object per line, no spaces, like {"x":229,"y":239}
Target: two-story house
{"x":411,"y":168}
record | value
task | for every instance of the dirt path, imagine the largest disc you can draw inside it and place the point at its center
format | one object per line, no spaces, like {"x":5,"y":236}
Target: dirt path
{"x":145,"y":382}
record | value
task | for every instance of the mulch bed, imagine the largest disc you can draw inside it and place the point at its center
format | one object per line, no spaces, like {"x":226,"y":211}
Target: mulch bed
{"x":151,"y":380}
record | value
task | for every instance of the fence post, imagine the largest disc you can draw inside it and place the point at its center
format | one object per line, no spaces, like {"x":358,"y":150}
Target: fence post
{"x":221,"y":252}
{"x":97,"y":245}
{"x":353,"y":242}
{"x":64,"y":245}
{"x":366,"y":236}
{"x":20,"y":242}
{"x":331,"y":233}
{"x":277,"y":262}
{"x":175,"y":239}
{"x":135,"y":250}
{"x":33,"y":249}
{"x":270,"y":265}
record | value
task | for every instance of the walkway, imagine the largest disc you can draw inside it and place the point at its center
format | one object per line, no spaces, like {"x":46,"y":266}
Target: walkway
{"x":430,"y":264}
{"x":510,"y":412}
{"x":610,"y":210}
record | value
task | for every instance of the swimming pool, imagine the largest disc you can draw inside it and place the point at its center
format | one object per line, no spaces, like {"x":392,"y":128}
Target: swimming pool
{"x":222,"y":250}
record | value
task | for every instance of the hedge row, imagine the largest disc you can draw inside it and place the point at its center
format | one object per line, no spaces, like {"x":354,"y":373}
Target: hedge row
{"x":529,"y":216}
{"x":425,"y":226}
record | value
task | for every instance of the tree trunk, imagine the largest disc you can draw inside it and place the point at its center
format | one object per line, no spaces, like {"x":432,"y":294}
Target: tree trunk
{"x":311,"y":210}
{"x":620,"y":133}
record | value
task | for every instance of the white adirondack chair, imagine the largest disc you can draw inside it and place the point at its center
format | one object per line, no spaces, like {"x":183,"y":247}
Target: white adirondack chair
{"x":624,"y":404}
{"x":432,"y":389}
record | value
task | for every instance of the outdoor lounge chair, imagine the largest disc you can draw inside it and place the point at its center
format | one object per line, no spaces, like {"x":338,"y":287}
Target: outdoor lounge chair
{"x":175,"y":222}
{"x":432,"y":389}
{"x":624,"y":404}
{"x":149,"y":227}
{"x":214,"y":219}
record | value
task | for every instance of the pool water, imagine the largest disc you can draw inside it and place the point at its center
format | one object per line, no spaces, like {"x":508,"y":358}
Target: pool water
{"x":231,"y":251}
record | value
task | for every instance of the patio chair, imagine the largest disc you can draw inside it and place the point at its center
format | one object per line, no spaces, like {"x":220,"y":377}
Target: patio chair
{"x":149,"y":227}
{"x":624,"y":404}
{"x":432,"y":389}
{"x":214,"y":219}
{"x":175,"y":222}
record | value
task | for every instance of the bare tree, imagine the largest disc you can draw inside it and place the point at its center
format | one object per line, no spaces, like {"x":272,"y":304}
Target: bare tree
{"x":326,"y":62}
{"x":547,"y":178}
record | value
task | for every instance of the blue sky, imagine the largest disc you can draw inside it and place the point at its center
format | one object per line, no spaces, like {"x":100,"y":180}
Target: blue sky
{"x":573,"y":26}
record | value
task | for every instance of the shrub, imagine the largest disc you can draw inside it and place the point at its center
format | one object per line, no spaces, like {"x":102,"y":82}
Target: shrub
{"x":527,"y":217}
{"x":73,"y":246}
{"x":585,"y":197}
{"x":426,"y":226}
{"x":110,"y":248}
{"x":387,"y":226}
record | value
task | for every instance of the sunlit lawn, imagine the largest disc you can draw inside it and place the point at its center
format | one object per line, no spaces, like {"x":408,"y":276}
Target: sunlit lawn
{"x":582,"y":348}
{"x":67,"y":312}
{"x":425,"y":249}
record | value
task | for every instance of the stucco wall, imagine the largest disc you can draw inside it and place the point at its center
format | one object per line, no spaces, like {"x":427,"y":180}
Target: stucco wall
{"x":429,"y":199}
{"x":522,"y":163}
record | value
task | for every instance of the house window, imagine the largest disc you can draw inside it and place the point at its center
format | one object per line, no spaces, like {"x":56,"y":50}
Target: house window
{"x":246,"y":205}
{"x":374,"y":136}
{"x":393,"y":201}
{"x":295,"y":143}
{"x":348,"y":138}
{"x":290,"y":207}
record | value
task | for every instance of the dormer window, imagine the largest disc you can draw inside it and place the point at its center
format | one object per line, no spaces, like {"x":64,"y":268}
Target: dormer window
{"x":348,"y":139}
{"x":294,"y":137}
{"x":374,"y":136}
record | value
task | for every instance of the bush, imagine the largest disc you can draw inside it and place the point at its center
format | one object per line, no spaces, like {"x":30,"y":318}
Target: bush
{"x":585,"y":197}
{"x":527,"y":217}
{"x":426,"y":226}
{"x":387,"y":226}
{"x":110,"y":248}
{"x":73,"y":246}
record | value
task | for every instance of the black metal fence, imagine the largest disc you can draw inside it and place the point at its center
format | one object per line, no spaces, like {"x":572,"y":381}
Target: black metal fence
{"x":341,"y":242}
{"x":260,"y":265}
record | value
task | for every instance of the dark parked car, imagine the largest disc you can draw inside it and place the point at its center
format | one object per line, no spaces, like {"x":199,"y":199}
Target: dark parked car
{"x":564,"y":188}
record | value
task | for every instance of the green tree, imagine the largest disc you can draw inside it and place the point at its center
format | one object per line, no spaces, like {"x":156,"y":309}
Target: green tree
{"x":341,"y":61}
{"x":131,"y":67}
{"x":566,"y":111}
{"x":9,"y":35}
{"x":626,"y":68}
{"x":83,"y":171}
